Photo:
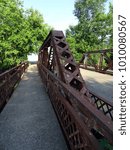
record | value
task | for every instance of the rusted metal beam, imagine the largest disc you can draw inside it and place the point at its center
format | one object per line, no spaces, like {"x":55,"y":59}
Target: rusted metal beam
{"x":102,"y":64}
{"x":8,"y":81}
{"x":100,"y":51}
{"x":79,"y":111}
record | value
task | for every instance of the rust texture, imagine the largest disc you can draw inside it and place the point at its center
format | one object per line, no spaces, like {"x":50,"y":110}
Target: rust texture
{"x":82,"y":114}
{"x":103,"y":62}
{"x":8,"y":80}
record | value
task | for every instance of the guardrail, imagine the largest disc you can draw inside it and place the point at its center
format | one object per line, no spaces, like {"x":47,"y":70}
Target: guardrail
{"x":8,"y":80}
{"x":82,"y":124}
{"x":98,"y":60}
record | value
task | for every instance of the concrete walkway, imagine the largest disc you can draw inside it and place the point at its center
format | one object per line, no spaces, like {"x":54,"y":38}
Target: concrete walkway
{"x":28,"y":121}
{"x":99,"y":83}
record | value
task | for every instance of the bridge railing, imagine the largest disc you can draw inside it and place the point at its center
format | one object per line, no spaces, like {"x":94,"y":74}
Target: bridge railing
{"x":102,"y":104}
{"x":8,"y":80}
{"x":79,"y":119}
{"x":98,"y":60}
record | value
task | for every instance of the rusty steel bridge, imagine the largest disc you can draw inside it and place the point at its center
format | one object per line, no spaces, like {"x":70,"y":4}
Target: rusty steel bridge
{"x":62,"y":112}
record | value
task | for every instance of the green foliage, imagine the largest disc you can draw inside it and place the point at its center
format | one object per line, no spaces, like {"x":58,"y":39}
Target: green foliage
{"x":94,"y":28}
{"x":105,"y":145}
{"x":21,"y":32}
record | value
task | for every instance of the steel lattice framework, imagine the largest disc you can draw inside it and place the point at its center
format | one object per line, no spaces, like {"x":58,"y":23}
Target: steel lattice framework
{"x":85,"y":118}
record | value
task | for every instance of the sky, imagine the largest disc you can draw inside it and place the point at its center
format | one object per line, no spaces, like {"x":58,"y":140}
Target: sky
{"x":56,"y":13}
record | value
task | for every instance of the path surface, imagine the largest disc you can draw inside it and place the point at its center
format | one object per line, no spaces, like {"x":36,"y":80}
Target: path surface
{"x":99,"y":83}
{"x":28,"y":121}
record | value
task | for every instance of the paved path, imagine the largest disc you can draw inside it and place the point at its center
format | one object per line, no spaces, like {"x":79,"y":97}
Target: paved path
{"x":28,"y":121}
{"x":99,"y":83}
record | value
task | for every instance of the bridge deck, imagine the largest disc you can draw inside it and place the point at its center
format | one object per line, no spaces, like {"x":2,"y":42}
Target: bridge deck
{"x":101,"y":84}
{"x":28,"y":121}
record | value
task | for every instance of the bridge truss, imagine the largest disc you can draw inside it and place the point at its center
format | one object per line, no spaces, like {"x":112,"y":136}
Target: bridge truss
{"x":85,"y":118}
{"x":98,"y":60}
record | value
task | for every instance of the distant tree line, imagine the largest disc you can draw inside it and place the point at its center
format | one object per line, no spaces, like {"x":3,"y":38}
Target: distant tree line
{"x":94,"y":30}
{"x":21,"y":32}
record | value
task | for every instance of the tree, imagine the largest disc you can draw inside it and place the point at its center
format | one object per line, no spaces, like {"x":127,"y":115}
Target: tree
{"x":38,"y":30}
{"x":94,"y":28}
{"x":21,"y":32}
